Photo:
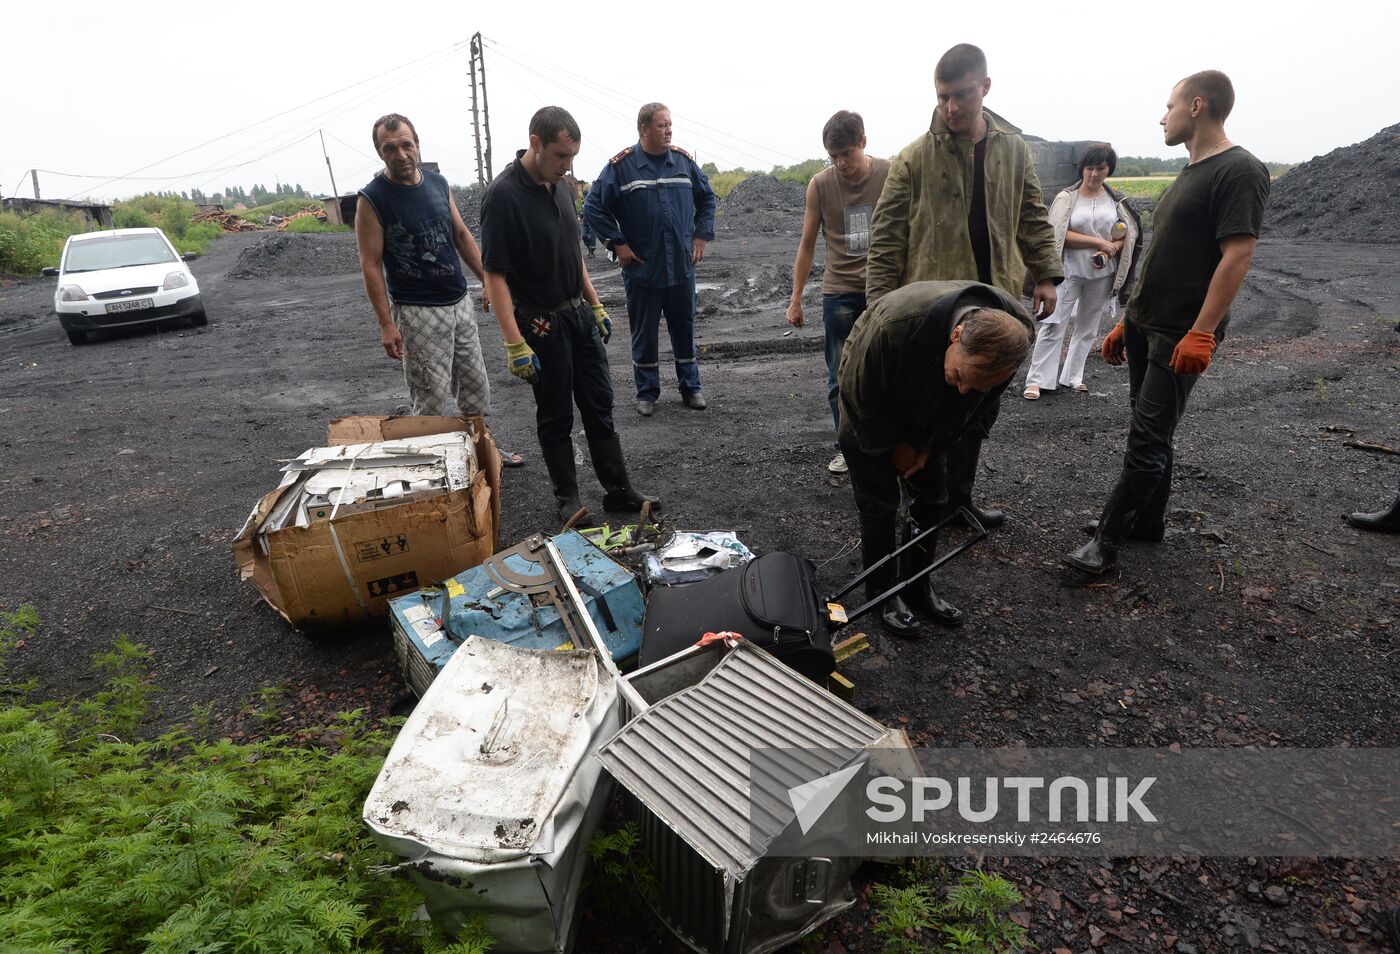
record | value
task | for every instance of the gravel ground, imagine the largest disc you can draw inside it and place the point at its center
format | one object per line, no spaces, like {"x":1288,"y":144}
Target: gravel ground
{"x":1261,"y":619}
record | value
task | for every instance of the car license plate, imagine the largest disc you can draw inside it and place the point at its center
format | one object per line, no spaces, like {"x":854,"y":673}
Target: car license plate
{"x":135,"y":304}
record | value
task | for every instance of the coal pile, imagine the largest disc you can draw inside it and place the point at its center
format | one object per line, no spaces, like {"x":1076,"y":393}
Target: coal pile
{"x":763,"y":205}
{"x":298,"y":255}
{"x":1352,"y":194}
{"x":468,"y":199}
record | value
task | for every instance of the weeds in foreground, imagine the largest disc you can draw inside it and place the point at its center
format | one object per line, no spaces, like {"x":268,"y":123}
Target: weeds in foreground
{"x":970,"y":918}
{"x":177,"y":844}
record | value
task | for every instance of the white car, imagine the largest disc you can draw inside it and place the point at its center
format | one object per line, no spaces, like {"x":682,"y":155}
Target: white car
{"x":123,"y":277}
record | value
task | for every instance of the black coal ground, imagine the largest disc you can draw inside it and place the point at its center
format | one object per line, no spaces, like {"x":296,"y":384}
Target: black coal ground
{"x":1261,"y":620}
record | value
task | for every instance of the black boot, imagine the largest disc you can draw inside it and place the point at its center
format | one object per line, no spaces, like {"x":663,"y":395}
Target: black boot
{"x":1151,"y":523}
{"x":1130,"y":495}
{"x":563,"y":477}
{"x":877,"y":541}
{"x":612,"y":474}
{"x":990,"y":519}
{"x":921,"y":593}
{"x":1382,"y":521}
{"x":961,"y":466}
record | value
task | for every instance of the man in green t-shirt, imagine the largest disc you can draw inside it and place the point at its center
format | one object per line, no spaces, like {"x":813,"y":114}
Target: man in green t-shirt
{"x":1204,"y":232}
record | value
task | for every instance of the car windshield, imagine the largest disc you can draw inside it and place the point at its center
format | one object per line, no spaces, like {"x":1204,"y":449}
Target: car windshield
{"x":117,"y":251}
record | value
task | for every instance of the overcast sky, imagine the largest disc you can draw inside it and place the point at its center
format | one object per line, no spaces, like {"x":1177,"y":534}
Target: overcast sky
{"x":198,"y":95}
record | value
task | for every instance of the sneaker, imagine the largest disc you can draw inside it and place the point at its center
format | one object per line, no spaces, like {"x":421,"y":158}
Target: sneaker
{"x":838,"y":464}
{"x":645,"y":407}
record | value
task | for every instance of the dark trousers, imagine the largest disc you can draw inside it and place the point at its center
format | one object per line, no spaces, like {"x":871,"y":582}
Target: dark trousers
{"x":879,"y":489}
{"x":645,"y":306}
{"x":1158,"y":396}
{"x":573,"y":370}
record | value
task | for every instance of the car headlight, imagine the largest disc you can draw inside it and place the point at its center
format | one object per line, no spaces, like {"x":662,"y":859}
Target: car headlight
{"x":71,"y":293}
{"x":176,"y":280}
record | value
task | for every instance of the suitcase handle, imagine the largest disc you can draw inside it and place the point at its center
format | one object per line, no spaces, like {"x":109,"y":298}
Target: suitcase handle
{"x":962,"y":514}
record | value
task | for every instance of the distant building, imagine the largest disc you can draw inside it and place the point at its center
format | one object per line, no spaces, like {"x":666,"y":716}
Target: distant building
{"x":95,"y":214}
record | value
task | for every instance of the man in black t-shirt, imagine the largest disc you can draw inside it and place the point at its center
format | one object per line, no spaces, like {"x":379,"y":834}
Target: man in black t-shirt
{"x":554,"y":326}
{"x":1204,"y":232}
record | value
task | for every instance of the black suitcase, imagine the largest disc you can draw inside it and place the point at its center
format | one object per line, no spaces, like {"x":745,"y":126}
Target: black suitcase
{"x":773,"y":602}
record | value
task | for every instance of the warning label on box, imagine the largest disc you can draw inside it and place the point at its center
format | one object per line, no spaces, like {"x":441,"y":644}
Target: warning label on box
{"x":390,"y":585}
{"x":366,"y":550}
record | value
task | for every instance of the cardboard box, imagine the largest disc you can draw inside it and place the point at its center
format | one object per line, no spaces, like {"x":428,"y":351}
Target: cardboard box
{"x":335,"y":573}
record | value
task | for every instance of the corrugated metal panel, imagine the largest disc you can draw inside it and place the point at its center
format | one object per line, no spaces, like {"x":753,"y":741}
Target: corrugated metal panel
{"x":687,"y":758}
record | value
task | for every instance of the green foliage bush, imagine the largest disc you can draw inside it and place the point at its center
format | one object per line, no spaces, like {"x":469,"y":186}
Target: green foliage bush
{"x":800,"y":173}
{"x":724,"y":182}
{"x":970,"y":918}
{"x":112,"y":842}
{"x":30,"y":243}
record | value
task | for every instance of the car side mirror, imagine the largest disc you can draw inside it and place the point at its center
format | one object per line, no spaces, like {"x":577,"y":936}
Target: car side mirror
{"x":190,"y":256}
{"x":50,"y":272}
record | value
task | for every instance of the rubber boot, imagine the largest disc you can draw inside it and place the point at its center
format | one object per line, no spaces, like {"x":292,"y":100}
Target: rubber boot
{"x":612,"y":474}
{"x":1151,"y":524}
{"x":563,"y":478}
{"x":922,"y":597}
{"x":1382,"y":521}
{"x":877,"y":541}
{"x":1130,"y":495}
{"x":961,"y":462}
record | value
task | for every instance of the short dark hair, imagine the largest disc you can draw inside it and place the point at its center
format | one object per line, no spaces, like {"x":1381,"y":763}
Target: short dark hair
{"x":647,"y":113}
{"x":1215,"y":88}
{"x":998,"y":340}
{"x":1098,"y":154}
{"x":960,"y":61}
{"x":549,"y":121}
{"x":843,"y":130}
{"x":391,"y":122}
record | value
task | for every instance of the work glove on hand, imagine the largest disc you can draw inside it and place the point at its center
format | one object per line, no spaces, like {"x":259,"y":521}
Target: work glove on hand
{"x":1192,"y":354}
{"x":522,"y":361}
{"x":1113,"y":345}
{"x":600,"y":317}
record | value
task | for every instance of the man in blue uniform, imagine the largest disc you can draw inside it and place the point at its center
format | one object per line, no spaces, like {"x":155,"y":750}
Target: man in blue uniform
{"x":655,"y":209}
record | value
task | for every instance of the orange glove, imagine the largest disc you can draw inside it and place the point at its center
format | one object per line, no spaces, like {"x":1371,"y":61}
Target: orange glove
{"x":1113,"y":345}
{"x":1192,"y":354}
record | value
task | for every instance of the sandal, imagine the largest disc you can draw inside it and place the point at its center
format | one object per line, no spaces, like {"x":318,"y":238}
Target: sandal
{"x":1031,"y":393}
{"x":510,"y":460}
{"x":1082,"y":387}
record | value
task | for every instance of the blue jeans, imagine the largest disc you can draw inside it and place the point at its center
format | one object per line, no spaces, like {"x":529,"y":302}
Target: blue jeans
{"x":839,"y":313}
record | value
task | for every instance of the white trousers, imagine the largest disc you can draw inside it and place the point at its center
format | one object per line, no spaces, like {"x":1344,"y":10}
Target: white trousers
{"x":1083,"y":303}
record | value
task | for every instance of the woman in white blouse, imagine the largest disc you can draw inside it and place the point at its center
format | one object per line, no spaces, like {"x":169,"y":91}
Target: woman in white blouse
{"x":1096,"y":234}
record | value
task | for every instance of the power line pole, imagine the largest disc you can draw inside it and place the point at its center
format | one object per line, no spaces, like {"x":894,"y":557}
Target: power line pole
{"x":481,"y":113}
{"x":34,"y":177}
{"x":334,"y":191}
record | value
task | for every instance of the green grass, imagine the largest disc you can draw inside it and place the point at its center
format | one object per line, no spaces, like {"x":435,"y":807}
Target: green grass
{"x":724,"y":182}
{"x":28,"y":244}
{"x":113,"y":841}
{"x":309,"y":224}
{"x":1143,"y":187}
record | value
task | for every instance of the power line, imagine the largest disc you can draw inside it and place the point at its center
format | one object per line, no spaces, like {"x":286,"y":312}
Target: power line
{"x":413,"y":62}
{"x":625,"y":97}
